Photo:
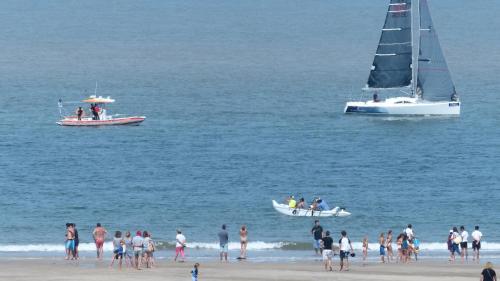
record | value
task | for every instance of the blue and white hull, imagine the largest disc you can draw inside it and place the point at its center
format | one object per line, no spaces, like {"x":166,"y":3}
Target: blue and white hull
{"x":404,"y":106}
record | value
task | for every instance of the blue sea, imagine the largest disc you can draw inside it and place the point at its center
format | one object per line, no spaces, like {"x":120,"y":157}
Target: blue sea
{"x":244,"y":104}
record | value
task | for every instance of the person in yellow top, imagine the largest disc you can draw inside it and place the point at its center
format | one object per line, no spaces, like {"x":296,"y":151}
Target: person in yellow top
{"x":292,"y":203}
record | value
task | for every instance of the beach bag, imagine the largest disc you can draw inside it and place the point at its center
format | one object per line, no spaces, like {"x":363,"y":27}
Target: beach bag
{"x":151,"y":246}
{"x":457,"y":240}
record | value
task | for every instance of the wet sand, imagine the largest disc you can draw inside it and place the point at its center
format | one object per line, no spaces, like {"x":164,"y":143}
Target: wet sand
{"x":56,"y":269}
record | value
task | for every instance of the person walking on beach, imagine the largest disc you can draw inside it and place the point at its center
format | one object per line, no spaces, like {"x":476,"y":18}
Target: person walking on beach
{"x":194,"y":272}
{"x":365,"y":247}
{"x":317,"y":233}
{"x":99,"y":235}
{"x":117,"y":249}
{"x":409,"y":232}
{"x":77,"y":241}
{"x":129,"y":250}
{"x":476,"y":243}
{"x":180,"y":244}
{"x":463,"y":244}
{"x":243,"y":242}
{"x":137,"y":244}
{"x":456,"y":239}
{"x":399,"y":244}
{"x":70,"y":241}
{"x":344,"y":245}
{"x":390,"y":254}
{"x":148,"y":248}
{"x":488,"y":274}
{"x":381,"y":241}
{"x":327,"y":251}
{"x":223,"y":242}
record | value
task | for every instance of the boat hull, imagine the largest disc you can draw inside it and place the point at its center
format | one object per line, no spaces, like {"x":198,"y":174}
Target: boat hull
{"x":285,"y":210}
{"x":134,"y":120}
{"x":451,"y":108}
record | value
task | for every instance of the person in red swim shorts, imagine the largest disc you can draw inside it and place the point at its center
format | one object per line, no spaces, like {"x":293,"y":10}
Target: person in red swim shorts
{"x":99,"y":234}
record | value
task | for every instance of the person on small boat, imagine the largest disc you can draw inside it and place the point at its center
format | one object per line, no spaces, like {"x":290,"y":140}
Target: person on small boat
{"x":322,"y":206}
{"x":301,"y":204}
{"x":79,"y":113}
{"x":292,"y":203}
{"x":97,"y":111}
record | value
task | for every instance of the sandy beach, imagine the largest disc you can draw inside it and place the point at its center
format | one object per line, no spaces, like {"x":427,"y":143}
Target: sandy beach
{"x":54,"y":269}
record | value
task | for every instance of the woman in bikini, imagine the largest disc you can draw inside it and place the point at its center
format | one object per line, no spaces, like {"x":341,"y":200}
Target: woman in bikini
{"x":243,"y":242}
{"x":365,"y":247}
{"x":399,"y":242}
{"x":390,"y":255}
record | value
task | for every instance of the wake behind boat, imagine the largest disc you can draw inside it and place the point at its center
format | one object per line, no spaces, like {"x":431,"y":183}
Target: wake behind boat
{"x":98,"y":114}
{"x":409,"y":60}
{"x":297,"y":212}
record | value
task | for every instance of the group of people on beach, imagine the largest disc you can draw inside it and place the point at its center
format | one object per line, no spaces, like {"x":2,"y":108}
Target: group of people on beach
{"x":317,"y":204}
{"x":323,"y":245}
{"x":458,"y":243}
{"x":408,"y":246}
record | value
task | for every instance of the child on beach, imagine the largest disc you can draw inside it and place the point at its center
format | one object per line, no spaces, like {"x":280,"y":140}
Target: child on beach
{"x":194,"y":272}
{"x":365,"y":247}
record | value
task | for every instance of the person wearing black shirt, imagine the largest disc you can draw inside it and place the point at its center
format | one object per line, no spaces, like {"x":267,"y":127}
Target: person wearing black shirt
{"x":488,"y":274}
{"x":327,"y":251}
{"x":317,"y":232}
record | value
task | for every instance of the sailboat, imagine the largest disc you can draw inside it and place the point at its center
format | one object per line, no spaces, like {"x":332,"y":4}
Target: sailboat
{"x":409,"y":67}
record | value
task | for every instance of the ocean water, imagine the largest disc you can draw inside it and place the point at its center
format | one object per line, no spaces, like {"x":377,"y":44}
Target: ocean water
{"x":244,"y":105}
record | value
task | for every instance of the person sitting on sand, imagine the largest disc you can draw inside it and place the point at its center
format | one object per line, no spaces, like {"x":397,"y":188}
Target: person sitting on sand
{"x":99,"y":235}
{"x":488,"y":274}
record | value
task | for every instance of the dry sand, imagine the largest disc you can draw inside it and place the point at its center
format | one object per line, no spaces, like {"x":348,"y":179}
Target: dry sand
{"x":55,"y":269}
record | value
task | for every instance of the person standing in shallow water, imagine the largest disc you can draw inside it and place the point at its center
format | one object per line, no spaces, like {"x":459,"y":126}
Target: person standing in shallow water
{"x":317,"y":233}
{"x":463,"y":244}
{"x":390,"y":254}
{"x":476,"y":243}
{"x":99,"y":235}
{"x":381,"y":241}
{"x":243,"y":242}
{"x":223,"y":242}
{"x":180,"y":244}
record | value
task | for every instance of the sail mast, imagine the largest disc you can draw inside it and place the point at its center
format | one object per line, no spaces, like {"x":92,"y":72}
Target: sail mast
{"x":415,"y":45}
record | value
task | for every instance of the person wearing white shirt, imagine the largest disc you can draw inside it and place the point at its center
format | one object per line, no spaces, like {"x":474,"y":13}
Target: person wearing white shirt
{"x":344,"y":245}
{"x":180,"y":244}
{"x":409,"y":232}
{"x":463,"y":244}
{"x":476,"y":242}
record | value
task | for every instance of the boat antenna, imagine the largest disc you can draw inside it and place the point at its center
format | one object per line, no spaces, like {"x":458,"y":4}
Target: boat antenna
{"x":95,"y":90}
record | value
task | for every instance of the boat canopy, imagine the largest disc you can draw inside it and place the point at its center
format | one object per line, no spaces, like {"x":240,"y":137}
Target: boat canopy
{"x":95,"y":99}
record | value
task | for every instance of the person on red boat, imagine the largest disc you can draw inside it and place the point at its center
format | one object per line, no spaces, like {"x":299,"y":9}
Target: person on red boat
{"x":79,"y":113}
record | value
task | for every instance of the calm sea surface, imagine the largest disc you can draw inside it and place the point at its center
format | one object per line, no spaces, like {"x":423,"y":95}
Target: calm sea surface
{"x":244,"y":104}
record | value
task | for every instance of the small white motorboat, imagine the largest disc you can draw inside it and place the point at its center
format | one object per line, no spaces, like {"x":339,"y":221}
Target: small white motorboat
{"x":285,"y":210}
{"x":100,"y":118}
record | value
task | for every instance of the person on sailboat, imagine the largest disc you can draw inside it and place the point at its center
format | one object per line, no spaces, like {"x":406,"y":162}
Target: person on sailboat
{"x":375,"y":98}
